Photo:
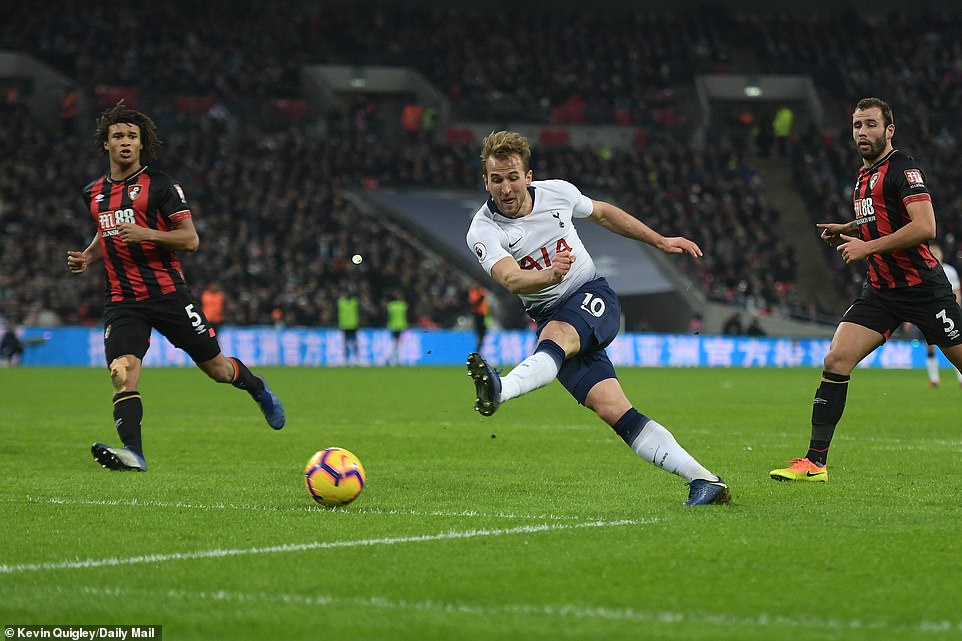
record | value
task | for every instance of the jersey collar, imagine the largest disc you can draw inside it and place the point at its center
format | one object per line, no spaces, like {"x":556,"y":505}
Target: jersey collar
{"x":130,"y":177}
{"x":882,"y":160}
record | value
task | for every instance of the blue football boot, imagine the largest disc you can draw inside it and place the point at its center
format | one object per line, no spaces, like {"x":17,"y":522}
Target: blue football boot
{"x":270,"y":406}
{"x":487,"y":385}
{"x":705,"y":492}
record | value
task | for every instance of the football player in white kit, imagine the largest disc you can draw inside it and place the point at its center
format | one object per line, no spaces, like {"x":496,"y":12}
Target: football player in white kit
{"x":931,"y":361}
{"x":524,"y":236}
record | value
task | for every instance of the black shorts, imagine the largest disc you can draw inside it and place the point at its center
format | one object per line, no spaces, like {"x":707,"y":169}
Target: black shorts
{"x":931,"y":308}
{"x":177,"y":316}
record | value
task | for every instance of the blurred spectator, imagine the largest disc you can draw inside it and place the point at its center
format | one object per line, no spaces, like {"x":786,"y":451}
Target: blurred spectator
{"x":11,"y":347}
{"x":212,"y":304}
{"x":782,"y":129}
{"x":411,"y":116}
{"x":348,"y":321}
{"x":478,"y":301}
{"x":754,"y":328}
{"x":429,"y":122}
{"x":733,"y":325}
{"x":397,"y":324}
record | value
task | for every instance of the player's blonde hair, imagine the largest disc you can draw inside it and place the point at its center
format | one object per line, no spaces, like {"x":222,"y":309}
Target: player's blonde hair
{"x":501,"y":144}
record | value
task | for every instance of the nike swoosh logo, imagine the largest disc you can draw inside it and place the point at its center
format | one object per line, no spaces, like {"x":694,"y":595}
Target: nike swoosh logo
{"x":810,"y":473}
{"x":514,"y":243}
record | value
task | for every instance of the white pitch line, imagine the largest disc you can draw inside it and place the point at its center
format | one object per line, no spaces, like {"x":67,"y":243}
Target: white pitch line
{"x":353,"y":509}
{"x":920,"y":443}
{"x":304,"y":547}
{"x":57,"y":500}
{"x":465,"y":513}
{"x":772,"y":437}
{"x":563,"y":611}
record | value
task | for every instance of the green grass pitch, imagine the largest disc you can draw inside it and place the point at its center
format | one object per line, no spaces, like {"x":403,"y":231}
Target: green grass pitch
{"x":536,"y":523}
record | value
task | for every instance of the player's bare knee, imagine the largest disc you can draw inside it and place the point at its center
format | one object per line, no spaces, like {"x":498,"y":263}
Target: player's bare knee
{"x":837,"y":364}
{"x":829,"y":364}
{"x":607,"y":411}
{"x":118,"y":374}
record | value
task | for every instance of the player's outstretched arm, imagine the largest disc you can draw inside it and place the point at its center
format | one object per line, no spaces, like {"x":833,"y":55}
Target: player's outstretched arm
{"x":617,"y":220}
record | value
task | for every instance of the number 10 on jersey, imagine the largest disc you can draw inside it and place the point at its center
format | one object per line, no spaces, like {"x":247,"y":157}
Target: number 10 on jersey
{"x":593,"y":305}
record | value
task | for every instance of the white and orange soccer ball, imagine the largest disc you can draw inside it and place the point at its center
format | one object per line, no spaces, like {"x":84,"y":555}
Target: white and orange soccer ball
{"x":334,"y":477}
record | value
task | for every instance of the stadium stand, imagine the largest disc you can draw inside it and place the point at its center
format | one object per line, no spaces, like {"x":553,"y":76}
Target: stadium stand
{"x":278,"y":233}
{"x":257,"y":160}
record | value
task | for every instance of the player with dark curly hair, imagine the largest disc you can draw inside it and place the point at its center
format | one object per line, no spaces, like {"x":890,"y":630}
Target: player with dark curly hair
{"x":142,"y":219}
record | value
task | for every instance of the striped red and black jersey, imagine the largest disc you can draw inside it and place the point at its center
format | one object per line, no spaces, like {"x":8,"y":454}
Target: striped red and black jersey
{"x":149,"y":198}
{"x":882,"y":193}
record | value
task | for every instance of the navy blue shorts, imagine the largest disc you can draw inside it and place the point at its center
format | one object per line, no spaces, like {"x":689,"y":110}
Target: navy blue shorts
{"x":176,"y":315}
{"x":594,"y":310}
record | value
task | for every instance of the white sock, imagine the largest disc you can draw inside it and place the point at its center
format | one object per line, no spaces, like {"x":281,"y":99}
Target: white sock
{"x":536,"y":371}
{"x":932,"y":365}
{"x":656,"y":445}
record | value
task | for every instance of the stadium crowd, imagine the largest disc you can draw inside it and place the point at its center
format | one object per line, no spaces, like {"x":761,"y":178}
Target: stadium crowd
{"x":916,"y":65}
{"x":281,"y":190}
{"x":224,"y":49}
{"x":277,"y":231}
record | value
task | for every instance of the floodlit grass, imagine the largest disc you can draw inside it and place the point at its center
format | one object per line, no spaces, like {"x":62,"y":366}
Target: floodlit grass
{"x":537,"y":523}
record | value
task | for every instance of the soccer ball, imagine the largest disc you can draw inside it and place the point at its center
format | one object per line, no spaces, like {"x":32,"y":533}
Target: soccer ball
{"x":334,"y":477}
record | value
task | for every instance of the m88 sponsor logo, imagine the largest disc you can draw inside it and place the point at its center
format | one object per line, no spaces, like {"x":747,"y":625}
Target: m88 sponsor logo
{"x":110,"y":219}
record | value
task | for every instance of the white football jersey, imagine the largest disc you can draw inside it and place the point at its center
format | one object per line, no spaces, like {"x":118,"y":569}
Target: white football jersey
{"x":533,"y":240}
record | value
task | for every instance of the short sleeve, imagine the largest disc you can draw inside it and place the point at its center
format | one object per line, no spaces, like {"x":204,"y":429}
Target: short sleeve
{"x":581,"y":205}
{"x":171,"y":200}
{"x":909,"y":182}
